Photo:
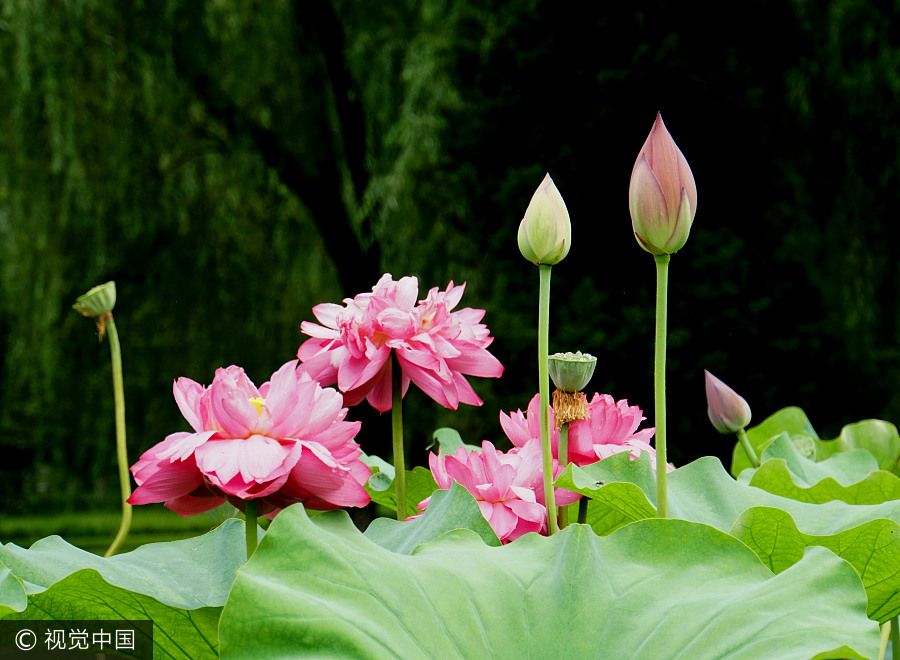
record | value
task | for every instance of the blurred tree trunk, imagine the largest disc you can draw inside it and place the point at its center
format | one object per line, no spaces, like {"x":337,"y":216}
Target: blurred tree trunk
{"x":329,"y":178}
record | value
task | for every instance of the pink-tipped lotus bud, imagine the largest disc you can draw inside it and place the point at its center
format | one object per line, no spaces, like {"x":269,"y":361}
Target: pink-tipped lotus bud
{"x":545,"y":233}
{"x":662,"y":196}
{"x":728,"y":410}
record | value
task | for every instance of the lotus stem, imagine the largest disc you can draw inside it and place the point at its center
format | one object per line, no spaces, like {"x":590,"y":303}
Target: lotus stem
{"x":895,"y":638}
{"x":121,"y":447}
{"x":250,"y":512}
{"x":885,"y":630}
{"x":563,"y":460}
{"x":582,"y":510}
{"x":659,"y":382}
{"x":397,"y":433}
{"x":748,"y":448}
{"x":544,"y":391}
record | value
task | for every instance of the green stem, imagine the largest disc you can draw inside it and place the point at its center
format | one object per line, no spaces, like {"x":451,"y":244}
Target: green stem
{"x":544,"y":390}
{"x":885,"y":630}
{"x":748,"y":448}
{"x":250,"y":512}
{"x":563,"y":460}
{"x":659,"y":382}
{"x":121,"y":448}
{"x":895,"y":638}
{"x":582,"y":510}
{"x":397,"y":433}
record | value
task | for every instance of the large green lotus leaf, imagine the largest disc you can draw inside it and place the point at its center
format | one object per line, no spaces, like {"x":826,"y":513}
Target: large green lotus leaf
{"x":186,"y":574}
{"x":618,"y":487}
{"x":177,"y":633}
{"x":317,"y":588}
{"x":703,"y":492}
{"x":878,"y":437}
{"x":12,"y":593}
{"x":419,"y":485}
{"x":873,"y":548}
{"x":792,"y":421}
{"x":449,"y":440}
{"x":447,"y":510}
{"x":851,"y":476}
{"x":847,"y":467}
{"x":180,"y":585}
{"x":382,"y":473}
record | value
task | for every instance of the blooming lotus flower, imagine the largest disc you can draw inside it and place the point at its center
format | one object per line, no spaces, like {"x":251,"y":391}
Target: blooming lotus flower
{"x":507,"y":486}
{"x":435,"y":346}
{"x":728,"y":411}
{"x":545,"y":233}
{"x":282,"y":443}
{"x":610,"y":429}
{"x":662,"y":196}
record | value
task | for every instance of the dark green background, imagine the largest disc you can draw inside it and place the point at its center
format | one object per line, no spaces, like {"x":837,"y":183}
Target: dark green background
{"x":230,"y":164}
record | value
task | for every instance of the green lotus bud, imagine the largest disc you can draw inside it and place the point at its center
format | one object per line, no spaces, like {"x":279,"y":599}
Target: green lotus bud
{"x":571,"y":372}
{"x":98,"y":301}
{"x":662,"y":195}
{"x":545,"y":233}
{"x":728,"y":411}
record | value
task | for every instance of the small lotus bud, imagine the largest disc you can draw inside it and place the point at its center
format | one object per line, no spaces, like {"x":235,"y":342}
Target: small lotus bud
{"x":98,"y":301}
{"x":571,"y":372}
{"x":662,"y":196}
{"x":728,"y":410}
{"x":545,"y":233}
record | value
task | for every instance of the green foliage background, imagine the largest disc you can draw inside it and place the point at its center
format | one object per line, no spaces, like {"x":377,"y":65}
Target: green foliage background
{"x":231,"y":164}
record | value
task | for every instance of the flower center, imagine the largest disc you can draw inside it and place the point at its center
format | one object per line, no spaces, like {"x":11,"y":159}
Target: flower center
{"x":258,"y":402}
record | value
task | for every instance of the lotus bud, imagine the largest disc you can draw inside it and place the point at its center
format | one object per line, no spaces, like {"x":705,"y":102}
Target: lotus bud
{"x":662,"y":196}
{"x":728,"y":410}
{"x":545,"y":233}
{"x":98,"y":304}
{"x":571,"y":372}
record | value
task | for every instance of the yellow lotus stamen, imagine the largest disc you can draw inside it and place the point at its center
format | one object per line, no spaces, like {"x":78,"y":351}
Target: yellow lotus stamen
{"x":258,"y":402}
{"x":569,"y":407}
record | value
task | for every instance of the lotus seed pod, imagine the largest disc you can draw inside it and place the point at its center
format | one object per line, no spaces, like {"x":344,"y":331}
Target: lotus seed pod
{"x":571,"y":372}
{"x":98,"y":301}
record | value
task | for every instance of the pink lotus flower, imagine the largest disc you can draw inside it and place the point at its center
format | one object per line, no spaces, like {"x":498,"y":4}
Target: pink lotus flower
{"x":436,"y":347}
{"x":507,"y":486}
{"x":610,"y":429}
{"x":283,"y":443}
